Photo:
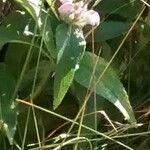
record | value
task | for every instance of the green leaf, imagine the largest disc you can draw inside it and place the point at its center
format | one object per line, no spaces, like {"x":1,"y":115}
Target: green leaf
{"x":8,"y":110}
{"x":46,"y":31}
{"x":110,"y":29}
{"x":108,"y":87}
{"x":15,"y":62}
{"x":33,"y":7}
{"x":89,"y":120}
{"x":13,"y":30}
{"x":70,"y":45}
{"x":111,"y":6}
{"x":126,"y":9}
{"x":146,"y":30}
{"x":43,"y":21}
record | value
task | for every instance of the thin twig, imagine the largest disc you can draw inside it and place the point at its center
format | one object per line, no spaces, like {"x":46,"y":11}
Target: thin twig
{"x":148,"y":5}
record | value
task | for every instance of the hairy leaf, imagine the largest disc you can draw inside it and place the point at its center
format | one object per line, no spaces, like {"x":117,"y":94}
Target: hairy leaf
{"x":70,"y":45}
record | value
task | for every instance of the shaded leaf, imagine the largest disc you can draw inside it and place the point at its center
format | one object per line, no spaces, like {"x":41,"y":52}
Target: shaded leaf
{"x":15,"y":62}
{"x":126,"y":9}
{"x":13,"y":30}
{"x":90,"y":119}
{"x":43,"y":22}
{"x":8,"y":110}
{"x":46,"y":31}
{"x":33,"y":7}
{"x":110,"y":29}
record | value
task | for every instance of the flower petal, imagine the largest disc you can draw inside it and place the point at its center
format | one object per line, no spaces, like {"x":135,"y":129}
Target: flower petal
{"x":65,"y":10}
{"x":78,"y":13}
{"x":66,"y":1}
{"x":91,"y":17}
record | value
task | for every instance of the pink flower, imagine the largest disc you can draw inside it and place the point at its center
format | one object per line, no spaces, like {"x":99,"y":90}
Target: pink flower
{"x":65,"y":1}
{"x":92,"y":18}
{"x":66,"y":10}
{"x":77,"y":13}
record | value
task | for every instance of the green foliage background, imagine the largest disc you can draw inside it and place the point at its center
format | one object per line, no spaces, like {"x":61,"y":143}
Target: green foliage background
{"x":96,"y":92}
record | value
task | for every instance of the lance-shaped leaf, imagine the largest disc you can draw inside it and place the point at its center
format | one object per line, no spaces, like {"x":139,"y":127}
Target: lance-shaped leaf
{"x":8,"y":110}
{"x":70,"y":45}
{"x":109,"y":85}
